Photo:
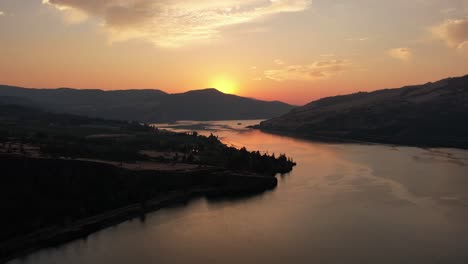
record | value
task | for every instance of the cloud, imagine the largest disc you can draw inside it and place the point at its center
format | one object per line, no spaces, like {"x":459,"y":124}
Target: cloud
{"x":358,"y":39}
{"x":448,"y":10}
{"x":454,"y":32}
{"x":463,"y":48}
{"x":316,"y":70}
{"x":172,"y":22}
{"x":278,"y":62}
{"x":404,"y":54}
{"x":2,"y":13}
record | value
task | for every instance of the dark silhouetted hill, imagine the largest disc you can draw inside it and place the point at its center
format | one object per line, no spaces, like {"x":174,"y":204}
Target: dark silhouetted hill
{"x":145,"y":105}
{"x":432,"y":114}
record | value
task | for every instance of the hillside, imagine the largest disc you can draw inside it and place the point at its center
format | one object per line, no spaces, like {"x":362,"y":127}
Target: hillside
{"x":432,"y":114}
{"x":65,"y":176}
{"x":145,"y":105}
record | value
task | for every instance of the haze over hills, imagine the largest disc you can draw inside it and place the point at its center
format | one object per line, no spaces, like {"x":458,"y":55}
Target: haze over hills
{"x":433,"y":114}
{"x":145,"y":105}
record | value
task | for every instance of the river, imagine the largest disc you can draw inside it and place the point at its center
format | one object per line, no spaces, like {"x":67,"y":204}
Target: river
{"x":342,"y":203}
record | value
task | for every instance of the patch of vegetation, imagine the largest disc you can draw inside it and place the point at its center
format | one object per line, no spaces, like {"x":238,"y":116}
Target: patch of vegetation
{"x":69,"y":136}
{"x":61,"y":170}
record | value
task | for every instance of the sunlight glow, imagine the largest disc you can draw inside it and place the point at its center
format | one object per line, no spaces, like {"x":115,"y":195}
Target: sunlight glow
{"x":225,"y":85}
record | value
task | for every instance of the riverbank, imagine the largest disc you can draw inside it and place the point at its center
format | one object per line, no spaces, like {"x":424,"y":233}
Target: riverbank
{"x":372,"y":139}
{"x":148,"y":190}
{"x":59,"y":170}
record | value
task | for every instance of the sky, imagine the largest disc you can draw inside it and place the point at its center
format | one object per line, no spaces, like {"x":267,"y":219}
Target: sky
{"x":290,"y":50}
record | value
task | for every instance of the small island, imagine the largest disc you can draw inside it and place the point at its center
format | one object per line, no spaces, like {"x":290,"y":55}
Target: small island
{"x":66,"y":176}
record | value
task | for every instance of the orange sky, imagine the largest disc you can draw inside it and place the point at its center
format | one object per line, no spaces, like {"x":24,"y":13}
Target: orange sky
{"x":290,"y":50}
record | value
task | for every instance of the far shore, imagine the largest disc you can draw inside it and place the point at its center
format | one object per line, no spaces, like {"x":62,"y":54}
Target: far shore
{"x":371,"y":140}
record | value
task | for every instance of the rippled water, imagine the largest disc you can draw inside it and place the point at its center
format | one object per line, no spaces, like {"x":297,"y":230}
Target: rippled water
{"x":343,"y":203}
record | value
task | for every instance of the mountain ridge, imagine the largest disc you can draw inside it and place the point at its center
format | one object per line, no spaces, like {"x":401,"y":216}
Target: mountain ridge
{"x":146,"y":105}
{"x":429,"y":114}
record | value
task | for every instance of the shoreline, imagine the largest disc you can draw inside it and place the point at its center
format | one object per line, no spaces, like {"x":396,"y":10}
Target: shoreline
{"x":219,"y":182}
{"x":56,"y":236}
{"x":367,"y":141}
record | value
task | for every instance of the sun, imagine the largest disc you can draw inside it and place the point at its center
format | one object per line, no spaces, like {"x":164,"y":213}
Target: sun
{"x":224,"y":84}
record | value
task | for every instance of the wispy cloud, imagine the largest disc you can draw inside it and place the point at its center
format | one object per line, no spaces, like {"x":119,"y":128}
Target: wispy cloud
{"x":172,"y":22}
{"x":358,"y":39}
{"x":403,"y":54}
{"x":463,"y":48}
{"x":448,"y":10}
{"x":328,"y":55}
{"x":2,"y":13}
{"x":454,"y":32}
{"x":278,"y":62}
{"x":316,"y":70}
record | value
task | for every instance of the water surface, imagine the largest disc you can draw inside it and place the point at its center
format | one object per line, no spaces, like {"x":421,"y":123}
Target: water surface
{"x":343,"y":203}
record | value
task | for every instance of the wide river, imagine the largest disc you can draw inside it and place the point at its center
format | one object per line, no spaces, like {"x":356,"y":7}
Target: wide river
{"x":342,"y":203}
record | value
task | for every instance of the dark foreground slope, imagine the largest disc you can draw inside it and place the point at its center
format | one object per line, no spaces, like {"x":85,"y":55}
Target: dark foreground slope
{"x":146,"y":105}
{"x":47,"y":202}
{"x":433,"y":114}
{"x":65,"y":176}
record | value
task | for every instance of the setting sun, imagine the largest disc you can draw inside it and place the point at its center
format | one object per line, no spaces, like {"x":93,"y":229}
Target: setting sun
{"x":225,"y":85}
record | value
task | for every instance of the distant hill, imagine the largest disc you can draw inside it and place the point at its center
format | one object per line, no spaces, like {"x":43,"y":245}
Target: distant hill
{"x":432,"y":114}
{"x":145,"y":105}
